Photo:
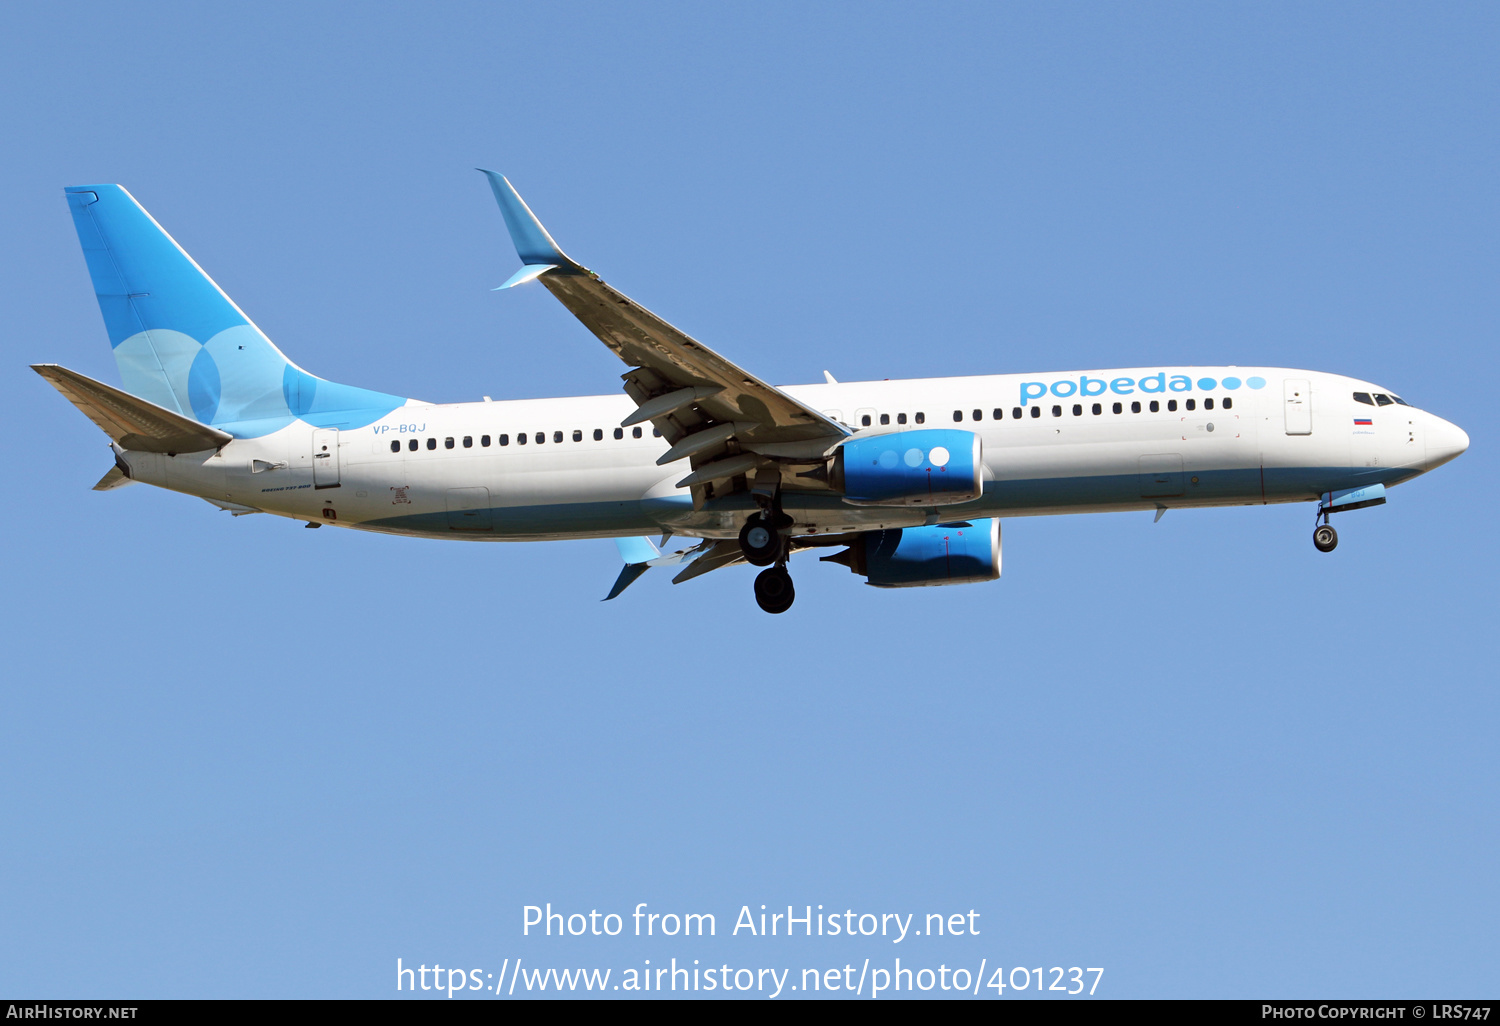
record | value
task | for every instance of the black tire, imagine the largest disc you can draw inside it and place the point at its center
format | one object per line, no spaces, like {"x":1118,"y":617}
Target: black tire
{"x":773,"y":590}
{"x":759,"y":541}
{"x":1325,"y":538}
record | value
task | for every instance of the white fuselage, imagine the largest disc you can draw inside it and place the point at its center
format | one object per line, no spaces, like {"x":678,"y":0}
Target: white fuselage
{"x":1293,"y":437}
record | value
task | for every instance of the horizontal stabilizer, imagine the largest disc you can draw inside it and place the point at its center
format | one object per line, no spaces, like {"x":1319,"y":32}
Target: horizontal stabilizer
{"x":131,"y":421}
{"x":115,"y":478}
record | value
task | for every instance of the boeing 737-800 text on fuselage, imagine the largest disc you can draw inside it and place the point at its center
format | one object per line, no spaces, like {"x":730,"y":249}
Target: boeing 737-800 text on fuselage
{"x":904,"y":482}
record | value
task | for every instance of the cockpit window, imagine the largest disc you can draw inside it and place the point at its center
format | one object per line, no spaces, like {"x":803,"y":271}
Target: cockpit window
{"x":1364,"y":397}
{"x":1400,"y":400}
{"x":1381,"y":399}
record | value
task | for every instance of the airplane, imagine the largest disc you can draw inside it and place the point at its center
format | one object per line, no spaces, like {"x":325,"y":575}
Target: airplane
{"x":903,"y":482}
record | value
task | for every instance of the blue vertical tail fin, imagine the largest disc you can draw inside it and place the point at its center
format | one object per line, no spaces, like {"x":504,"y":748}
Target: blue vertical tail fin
{"x":183,"y":344}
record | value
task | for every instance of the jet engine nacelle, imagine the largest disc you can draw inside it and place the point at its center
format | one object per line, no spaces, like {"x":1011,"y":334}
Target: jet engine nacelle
{"x":932,"y":467}
{"x":915,"y":557}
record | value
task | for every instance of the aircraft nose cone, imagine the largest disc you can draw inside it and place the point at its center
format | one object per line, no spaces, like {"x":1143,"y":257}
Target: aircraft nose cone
{"x":1445,"y":441}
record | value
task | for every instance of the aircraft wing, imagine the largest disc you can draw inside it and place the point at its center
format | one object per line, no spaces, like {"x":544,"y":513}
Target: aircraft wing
{"x":726,"y":421}
{"x":130,"y":420}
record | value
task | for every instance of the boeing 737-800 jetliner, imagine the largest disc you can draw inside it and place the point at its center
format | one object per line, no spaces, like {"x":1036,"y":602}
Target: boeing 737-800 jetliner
{"x":903,"y":482}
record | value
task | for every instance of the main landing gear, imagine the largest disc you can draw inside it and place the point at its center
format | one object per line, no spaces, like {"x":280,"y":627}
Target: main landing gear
{"x":763,"y":544}
{"x":759,"y":541}
{"x":1325,"y":538}
{"x":773,"y":590}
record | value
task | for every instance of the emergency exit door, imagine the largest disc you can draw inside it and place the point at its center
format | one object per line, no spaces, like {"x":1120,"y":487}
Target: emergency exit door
{"x":325,"y":457}
{"x":1298,"y":396}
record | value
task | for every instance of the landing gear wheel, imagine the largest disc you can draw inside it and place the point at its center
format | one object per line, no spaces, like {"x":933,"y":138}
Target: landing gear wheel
{"x":1325,"y":538}
{"x":759,"y":542}
{"x":774,"y":591}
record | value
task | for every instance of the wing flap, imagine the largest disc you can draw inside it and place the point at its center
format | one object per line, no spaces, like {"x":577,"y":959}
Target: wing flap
{"x":642,"y":339}
{"x":132,"y":422}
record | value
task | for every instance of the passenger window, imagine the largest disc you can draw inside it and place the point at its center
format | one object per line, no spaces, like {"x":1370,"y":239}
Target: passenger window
{"x":1208,"y":403}
{"x":885,"y":418}
{"x":1118,"y":408}
{"x":1192,"y":404}
{"x":1171,"y":405}
{"x":1036,"y":411}
{"x":921,"y":418}
{"x":521,"y":437}
{"x":1228,"y":403}
{"x":999,"y":414}
{"x":448,"y":443}
{"x":577,"y":435}
{"x":635,"y":432}
{"x":1057,"y":411}
{"x":1381,"y":399}
{"x":1015,"y":413}
{"x":557,"y":436}
{"x":505,"y":439}
{"x":432,"y":443}
{"x":1364,"y":397}
{"x":864,"y":421}
{"x":411,"y":446}
{"x":958,"y":415}
{"x":1135,"y":407}
{"x":1078,"y":409}
{"x":1155,"y":406}
{"x":978,"y":415}
{"x":541,"y":437}
{"x":598,"y":435}
{"x":619,"y":433}
{"x":1097,"y":409}
{"x":900,"y":418}
{"x":468,"y":441}
{"x":484,"y":441}
{"x":395,"y":447}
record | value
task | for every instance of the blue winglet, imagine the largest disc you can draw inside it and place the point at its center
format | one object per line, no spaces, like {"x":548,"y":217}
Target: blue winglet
{"x":637,"y":550}
{"x":529,"y":272}
{"x":637,"y":554}
{"x":533,"y":244}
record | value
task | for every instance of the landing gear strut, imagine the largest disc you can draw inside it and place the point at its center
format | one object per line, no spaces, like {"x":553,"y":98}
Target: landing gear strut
{"x":773,"y":590}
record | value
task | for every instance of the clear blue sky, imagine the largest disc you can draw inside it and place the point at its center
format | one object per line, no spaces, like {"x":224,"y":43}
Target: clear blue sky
{"x":240,"y":758}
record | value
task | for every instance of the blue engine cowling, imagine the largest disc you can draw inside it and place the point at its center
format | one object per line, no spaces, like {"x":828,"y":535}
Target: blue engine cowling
{"x":932,"y":467}
{"x":915,"y":557}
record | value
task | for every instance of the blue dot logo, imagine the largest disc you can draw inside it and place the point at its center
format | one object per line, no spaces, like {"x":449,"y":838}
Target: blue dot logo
{"x":1231,"y":383}
{"x":1256,"y":382}
{"x":1207,"y":384}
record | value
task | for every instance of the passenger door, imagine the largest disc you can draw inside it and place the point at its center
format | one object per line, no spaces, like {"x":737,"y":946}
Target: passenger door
{"x":325,"y":457}
{"x":1298,"y":402}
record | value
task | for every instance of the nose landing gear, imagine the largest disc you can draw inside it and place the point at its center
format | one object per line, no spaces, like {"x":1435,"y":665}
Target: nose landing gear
{"x":1325,"y":538}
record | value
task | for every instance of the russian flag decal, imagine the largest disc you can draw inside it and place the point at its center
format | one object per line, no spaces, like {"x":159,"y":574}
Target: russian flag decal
{"x":1363,"y":420}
